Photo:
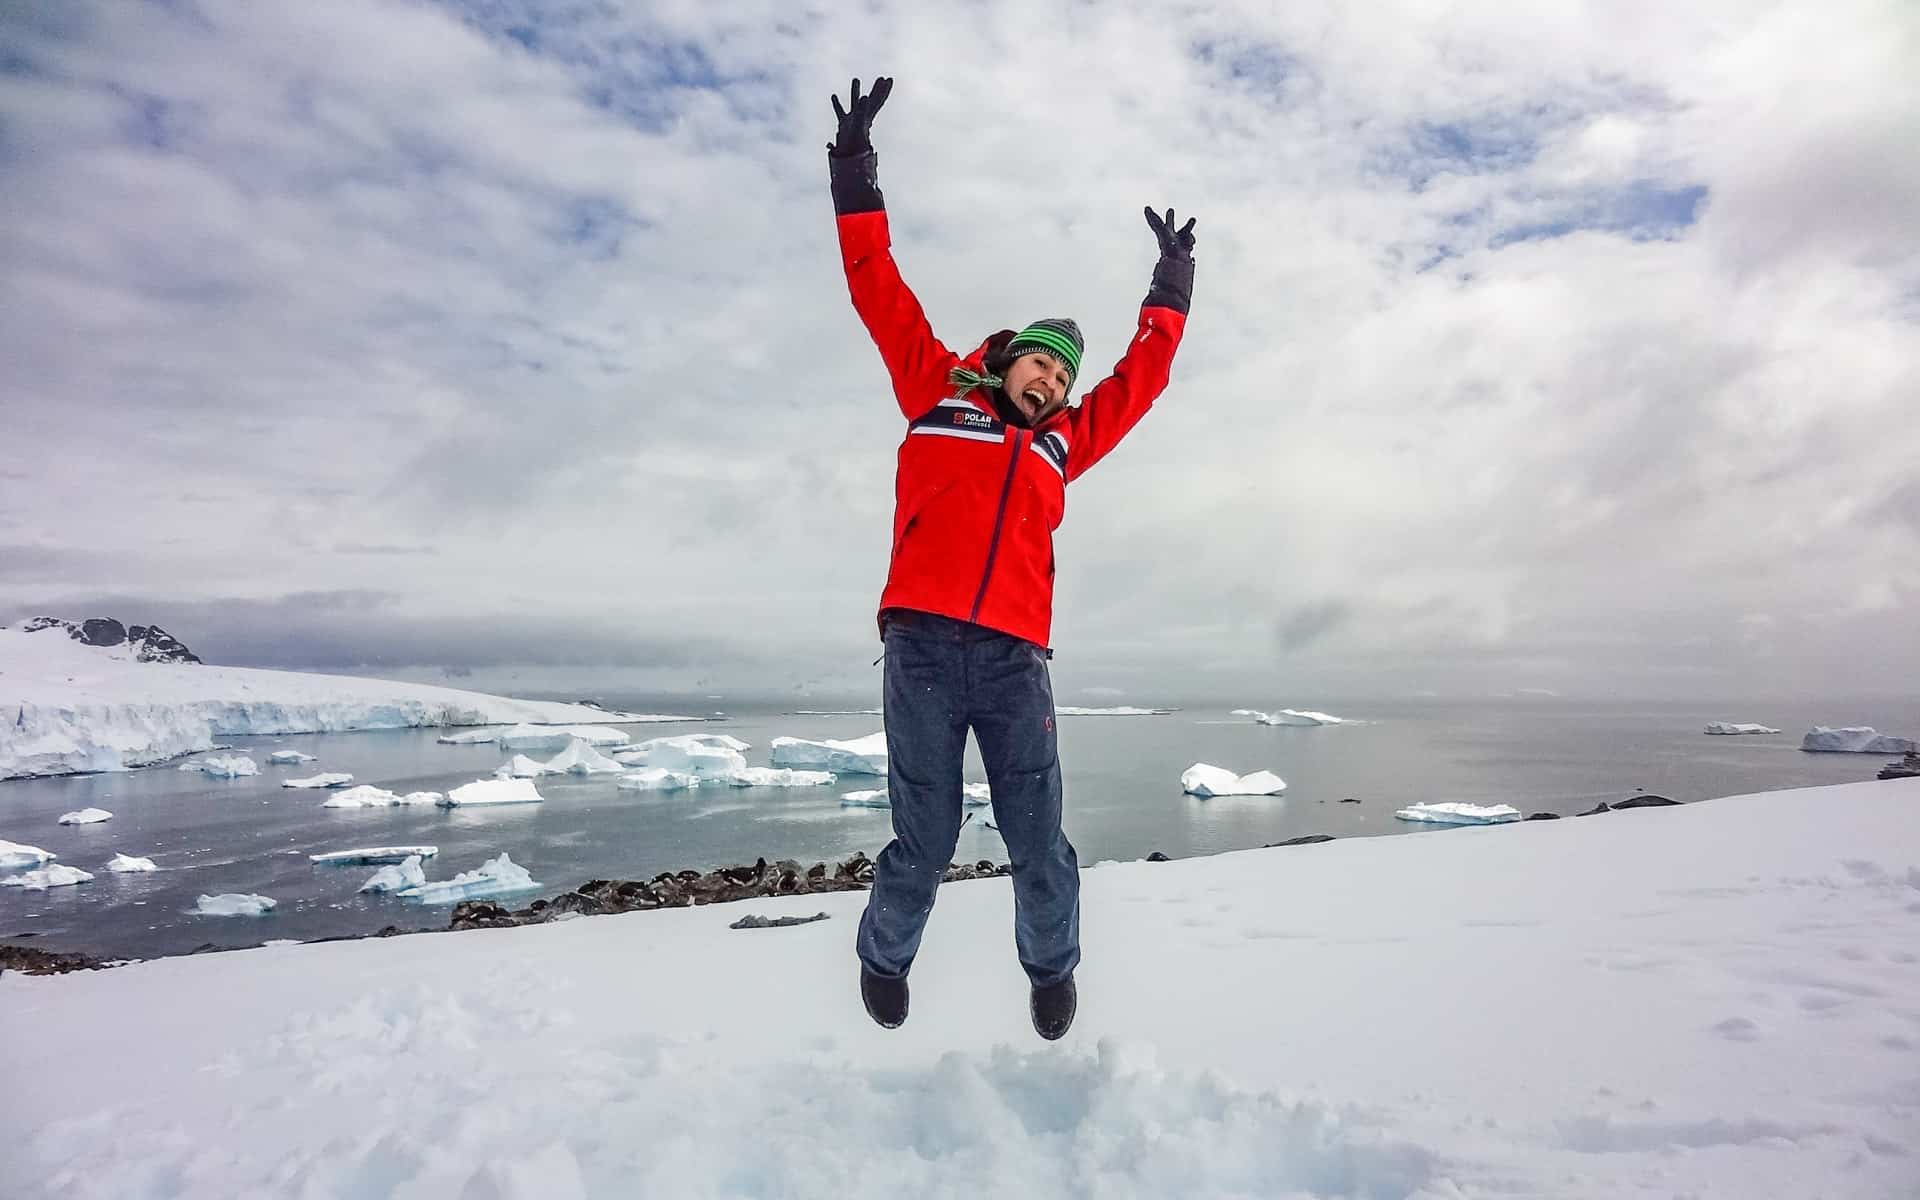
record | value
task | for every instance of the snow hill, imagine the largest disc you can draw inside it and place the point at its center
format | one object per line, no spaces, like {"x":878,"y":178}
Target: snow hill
{"x":1715,"y":999}
{"x":66,"y":706}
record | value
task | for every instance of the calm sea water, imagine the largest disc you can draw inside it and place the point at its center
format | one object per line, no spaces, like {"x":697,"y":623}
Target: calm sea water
{"x":1123,"y":802}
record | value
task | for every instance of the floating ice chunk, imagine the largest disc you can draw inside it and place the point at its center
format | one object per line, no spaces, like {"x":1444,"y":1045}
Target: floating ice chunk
{"x":858,"y":756}
{"x":1460,"y":814}
{"x":580,"y":758}
{"x":371,"y":855}
{"x":975,"y":794}
{"x":364,"y":796}
{"x":492,"y":791}
{"x":657,"y":779}
{"x":555,"y":737}
{"x":1069,"y":710}
{"x":398,"y":877}
{"x":86,"y":816}
{"x":496,"y":877}
{"x":775,"y":777}
{"x":1855,"y":739}
{"x":867,"y":798}
{"x":710,"y":756}
{"x":235,"y":904}
{"x":522,"y":767}
{"x":42,"y":878}
{"x":1289,"y":716}
{"x":1204,"y":780}
{"x":18,"y":854}
{"x":223,"y":766}
{"x":470,"y":737}
{"x":284,"y":757}
{"x":1733,"y":727}
{"x":127,"y":863}
{"x":330,"y":779}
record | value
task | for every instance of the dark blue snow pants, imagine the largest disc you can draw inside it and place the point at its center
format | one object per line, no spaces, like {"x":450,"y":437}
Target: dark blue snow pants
{"x":943,"y":677}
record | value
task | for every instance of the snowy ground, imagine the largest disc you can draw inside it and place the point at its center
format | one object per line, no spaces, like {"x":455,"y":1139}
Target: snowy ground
{"x":67,"y":707}
{"x":1717,"y":1000}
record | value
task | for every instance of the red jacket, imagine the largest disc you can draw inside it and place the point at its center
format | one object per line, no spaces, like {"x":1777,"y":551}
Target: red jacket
{"x":976,"y":500}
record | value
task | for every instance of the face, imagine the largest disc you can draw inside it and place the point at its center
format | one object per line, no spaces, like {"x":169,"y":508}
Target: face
{"x":1037,"y":384}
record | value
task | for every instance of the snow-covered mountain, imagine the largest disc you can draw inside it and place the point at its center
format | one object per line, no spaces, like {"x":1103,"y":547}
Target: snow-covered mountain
{"x":76,"y":698}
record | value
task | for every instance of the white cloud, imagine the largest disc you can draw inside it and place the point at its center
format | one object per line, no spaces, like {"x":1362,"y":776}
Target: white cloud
{"x":1557,"y":348}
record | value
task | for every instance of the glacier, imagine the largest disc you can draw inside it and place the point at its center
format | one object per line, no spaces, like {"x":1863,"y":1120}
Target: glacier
{"x":80,"y":708}
{"x":496,"y":877}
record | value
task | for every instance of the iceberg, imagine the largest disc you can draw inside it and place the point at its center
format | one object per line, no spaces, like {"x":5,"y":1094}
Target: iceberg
{"x":286,"y":757}
{"x":127,"y":863}
{"x":580,"y":758}
{"x":234,"y":904}
{"x":704,"y":755}
{"x":1855,"y":739}
{"x":401,"y":876}
{"x":1289,"y":716}
{"x":556,"y":737}
{"x":866,"y":798}
{"x":469,"y":737}
{"x":657,"y":779}
{"x":496,"y":877}
{"x":368,"y":796}
{"x":86,"y":816}
{"x":42,"y":878}
{"x":16,"y":854}
{"x":492,"y":791}
{"x":1204,"y":780}
{"x":521,"y":767}
{"x":223,"y":766}
{"x":775,"y":777}
{"x":331,"y":779}
{"x":1460,"y":814}
{"x":858,"y":756}
{"x":1069,"y":710}
{"x":1735,"y":727}
{"x":367,"y":856}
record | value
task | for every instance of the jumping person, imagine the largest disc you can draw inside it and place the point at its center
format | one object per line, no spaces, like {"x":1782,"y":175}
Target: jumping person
{"x":990,"y":447}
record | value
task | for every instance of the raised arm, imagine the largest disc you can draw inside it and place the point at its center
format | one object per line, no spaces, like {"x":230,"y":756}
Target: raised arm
{"x":1116,"y":403}
{"x":915,"y":358}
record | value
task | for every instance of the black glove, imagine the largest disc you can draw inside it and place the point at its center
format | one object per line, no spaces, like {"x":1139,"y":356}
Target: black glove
{"x":1174,"y":244}
{"x":855,"y":135}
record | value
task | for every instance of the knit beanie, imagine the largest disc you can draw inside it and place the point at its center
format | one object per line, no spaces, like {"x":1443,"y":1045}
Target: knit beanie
{"x":1057,"y":337}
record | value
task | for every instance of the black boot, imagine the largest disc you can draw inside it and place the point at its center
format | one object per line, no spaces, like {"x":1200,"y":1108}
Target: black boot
{"x":1052,"y":1007}
{"x":886,"y":999}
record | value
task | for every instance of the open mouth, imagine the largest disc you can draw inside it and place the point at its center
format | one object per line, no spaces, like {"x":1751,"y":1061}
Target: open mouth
{"x":1034,"y":397}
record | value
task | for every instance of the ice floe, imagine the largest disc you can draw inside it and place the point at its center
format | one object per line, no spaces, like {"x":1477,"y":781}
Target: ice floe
{"x":1073,"y":710}
{"x":496,"y":877}
{"x":580,"y":758}
{"x":492,"y":791}
{"x":522,"y":767}
{"x":556,"y":737}
{"x":856,"y":756}
{"x":366,"y":856}
{"x":1460,"y":814}
{"x":86,"y":816}
{"x":1205,"y":780}
{"x":1290,"y":716}
{"x":223,"y":766}
{"x":235,"y":904}
{"x":288,"y":757}
{"x":1855,"y":739}
{"x":972,"y":795}
{"x":42,"y":878}
{"x":471,"y":737}
{"x":130,"y":864}
{"x":397,"y":877}
{"x":1737,"y":727}
{"x":657,"y":779}
{"x":19,"y":854}
{"x":698,"y":754}
{"x":368,"y":796}
{"x":329,"y":779}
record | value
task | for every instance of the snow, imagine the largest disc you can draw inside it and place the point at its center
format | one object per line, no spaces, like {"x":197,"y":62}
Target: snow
{"x":128,"y":864}
{"x":397,"y":877}
{"x":580,"y":758}
{"x":285,"y":757}
{"x":368,"y":796}
{"x":657,"y":779}
{"x":77,"y":708}
{"x":499,"y":876}
{"x":857,"y":756}
{"x":235,"y":904}
{"x":1460,"y":814}
{"x":18,"y":854}
{"x":42,"y":878}
{"x":1729,"y":728}
{"x":470,"y":737}
{"x":370,"y":855}
{"x":492,"y":791}
{"x":1204,"y":780}
{"x":1289,"y":716}
{"x":699,"y":754}
{"x":521,"y":767}
{"x":556,"y":737}
{"x":1709,"y":1000}
{"x":86,"y":816}
{"x":223,"y":766}
{"x":1856,"y":739}
{"x":326,"y":779}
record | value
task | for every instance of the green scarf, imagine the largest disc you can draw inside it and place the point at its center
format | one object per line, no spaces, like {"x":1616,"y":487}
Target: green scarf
{"x":967,"y":379}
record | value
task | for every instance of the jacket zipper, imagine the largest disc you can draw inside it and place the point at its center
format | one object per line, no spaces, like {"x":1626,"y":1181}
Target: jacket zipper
{"x":1000,"y":514}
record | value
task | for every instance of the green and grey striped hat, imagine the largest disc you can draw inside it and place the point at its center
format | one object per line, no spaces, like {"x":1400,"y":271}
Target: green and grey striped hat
{"x":1057,"y":337}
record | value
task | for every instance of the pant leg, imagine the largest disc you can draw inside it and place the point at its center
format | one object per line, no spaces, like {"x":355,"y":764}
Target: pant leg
{"x":923,"y":701}
{"x":1013,"y":720}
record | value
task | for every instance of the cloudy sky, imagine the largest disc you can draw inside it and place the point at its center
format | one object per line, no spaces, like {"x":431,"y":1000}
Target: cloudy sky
{"x":1573,"y":347}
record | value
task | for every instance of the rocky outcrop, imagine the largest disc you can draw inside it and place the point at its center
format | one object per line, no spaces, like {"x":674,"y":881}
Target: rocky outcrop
{"x":29,"y":961}
{"x":1646,"y":802}
{"x":150,"y":642}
